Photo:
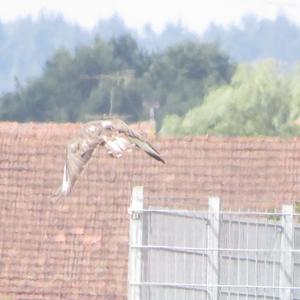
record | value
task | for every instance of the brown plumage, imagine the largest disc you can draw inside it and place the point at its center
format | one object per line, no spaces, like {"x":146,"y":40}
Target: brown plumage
{"x":115,"y":135}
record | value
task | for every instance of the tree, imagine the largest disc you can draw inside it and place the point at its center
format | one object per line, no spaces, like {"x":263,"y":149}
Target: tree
{"x":74,"y":87}
{"x":181,"y":76}
{"x":63,"y":92}
{"x":258,"y":101}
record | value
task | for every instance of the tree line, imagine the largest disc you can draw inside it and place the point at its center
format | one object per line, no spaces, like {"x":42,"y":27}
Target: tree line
{"x":27,"y":43}
{"x":192,"y":87}
{"x":260,"y":99}
{"x":120,"y":78}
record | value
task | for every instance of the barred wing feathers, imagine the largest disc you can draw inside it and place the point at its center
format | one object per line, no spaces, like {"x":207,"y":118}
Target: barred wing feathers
{"x":119,"y":132}
{"x":78,"y":153}
{"x":114,"y":135}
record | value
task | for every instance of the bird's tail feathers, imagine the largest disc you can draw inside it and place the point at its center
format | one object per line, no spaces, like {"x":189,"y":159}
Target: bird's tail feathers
{"x":65,"y":188}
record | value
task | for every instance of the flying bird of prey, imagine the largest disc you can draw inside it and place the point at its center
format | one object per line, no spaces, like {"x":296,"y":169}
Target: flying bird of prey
{"x":115,"y":135}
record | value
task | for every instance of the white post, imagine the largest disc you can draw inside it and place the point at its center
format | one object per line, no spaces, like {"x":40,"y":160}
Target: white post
{"x":213,"y":242}
{"x":286,"y":257}
{"x":135,"y":238}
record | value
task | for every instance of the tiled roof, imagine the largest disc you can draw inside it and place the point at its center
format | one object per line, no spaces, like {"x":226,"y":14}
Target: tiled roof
{"x":77,"y":248}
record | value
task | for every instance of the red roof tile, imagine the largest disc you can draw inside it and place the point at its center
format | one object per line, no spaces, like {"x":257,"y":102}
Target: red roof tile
{"x":77,"y":248}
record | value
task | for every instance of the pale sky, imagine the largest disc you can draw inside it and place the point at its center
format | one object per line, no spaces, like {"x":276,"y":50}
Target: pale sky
{"x":194,"y":14}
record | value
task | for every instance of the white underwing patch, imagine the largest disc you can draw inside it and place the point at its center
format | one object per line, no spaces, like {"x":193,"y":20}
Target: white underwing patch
{"x":106,"y":124}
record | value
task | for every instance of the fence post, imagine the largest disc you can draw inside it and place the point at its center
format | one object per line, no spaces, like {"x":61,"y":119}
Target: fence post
{"x":135,"y":238}
{"x":286,"y":256}
{"x":213,"y":242}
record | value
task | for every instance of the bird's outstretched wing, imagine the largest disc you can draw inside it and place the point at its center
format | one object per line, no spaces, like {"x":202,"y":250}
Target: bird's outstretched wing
{"x":78,"y":153}
{"x":115,"y":135}
{"x":119,"y":137}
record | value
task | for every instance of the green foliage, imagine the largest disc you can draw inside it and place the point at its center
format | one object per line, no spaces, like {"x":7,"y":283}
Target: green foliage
{"x":26,"y":44}
{"x":297,"y":207}
{"x":96,"y":80}
{"x":273,"y":215}
{"x":258,"y":101}
{"x":182,"y":75}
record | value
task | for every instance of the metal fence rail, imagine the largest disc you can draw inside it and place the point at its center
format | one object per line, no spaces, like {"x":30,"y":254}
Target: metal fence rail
{"x":213,"y":254}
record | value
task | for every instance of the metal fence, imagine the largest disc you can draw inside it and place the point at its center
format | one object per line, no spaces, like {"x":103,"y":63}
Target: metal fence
{"x":213,"y":254}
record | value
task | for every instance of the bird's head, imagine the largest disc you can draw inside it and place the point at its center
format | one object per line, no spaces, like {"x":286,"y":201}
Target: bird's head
{"x":107,"y":124}
{"x":94,"y":130}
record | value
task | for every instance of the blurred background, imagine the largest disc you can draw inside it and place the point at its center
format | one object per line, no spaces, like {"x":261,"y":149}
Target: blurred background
{"x":209,"y":68}
{"x":195,"y":67}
